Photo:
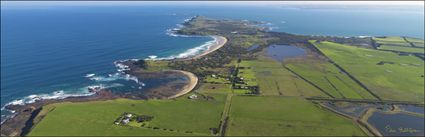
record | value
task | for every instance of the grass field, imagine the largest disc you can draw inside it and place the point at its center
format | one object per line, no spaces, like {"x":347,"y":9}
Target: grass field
{"x":389,"y":39}
{"x":97,"y":118}
{"x":401,"y":44}
{"x":247,"y":40}
{"x":246,"y":72}
{"x":288,"y":116}
{"x":393,"y":40}
{"x":156,"y":65}
{"x":214,"y":88}
{"x":329,"y":78}
{"x":399,"y":41}
{"x":402,"y":49}
{"x":273,"y":79}
{"x":419,"y":44}
{"x":216,"y":80}
{"x":389,"y":75}
{"x":414,"y":40}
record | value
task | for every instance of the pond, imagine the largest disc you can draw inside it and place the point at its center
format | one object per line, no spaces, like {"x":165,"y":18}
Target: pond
{"x":398,"y":124}
{"x":413,"y":108}
{"x":282,"y":52}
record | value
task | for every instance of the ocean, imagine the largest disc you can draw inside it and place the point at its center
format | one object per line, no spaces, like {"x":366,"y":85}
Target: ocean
{"x":59,"y":51}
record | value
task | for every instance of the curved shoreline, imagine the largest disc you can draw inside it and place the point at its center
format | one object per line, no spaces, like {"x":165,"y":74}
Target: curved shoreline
{"x":220,"y":42}
{"x":23,"y":112}
{"x":193,"y":81}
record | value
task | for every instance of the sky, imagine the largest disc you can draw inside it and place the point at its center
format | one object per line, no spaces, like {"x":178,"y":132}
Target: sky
{"x":46,"y":3}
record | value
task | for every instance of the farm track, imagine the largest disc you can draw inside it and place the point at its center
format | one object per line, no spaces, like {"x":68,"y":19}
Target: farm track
{"x":367,"y":101}
{"x":227,"y":106}
{"x":374,"y":44}
{"x":333,"y":86}
{"x":406,"y":53}
{"x":309,"y":82}
{"x":411,"y":43}
{"x":225,"y":115}
{"x":348,"y":74}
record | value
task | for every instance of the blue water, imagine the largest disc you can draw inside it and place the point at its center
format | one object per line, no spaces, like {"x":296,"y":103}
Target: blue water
{"x":282,"y":52}
{"x":51,"y":48}
{"x":398,"y":124}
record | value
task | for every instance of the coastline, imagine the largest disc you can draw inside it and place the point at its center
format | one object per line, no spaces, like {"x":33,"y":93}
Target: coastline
{"x":17,"y":125}
{"x":193,"y":81}
{"x":220,"y":42}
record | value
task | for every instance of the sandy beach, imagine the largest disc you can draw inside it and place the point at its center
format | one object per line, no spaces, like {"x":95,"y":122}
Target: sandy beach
{"x":193,"y":80}
{"x":220,"y":42}
{"x":29,"y":111}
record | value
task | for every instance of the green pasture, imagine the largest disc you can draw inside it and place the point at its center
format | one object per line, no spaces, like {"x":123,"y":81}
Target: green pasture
{"x":389,"y":39}
{"x":329,"y":78}
{"x":389,"y":75}
{"x":214,"y":88}
{"x":274,"y":79}
{"x":402,"y":49}
{"x":285,"y":116}
{"x":97,"y":118}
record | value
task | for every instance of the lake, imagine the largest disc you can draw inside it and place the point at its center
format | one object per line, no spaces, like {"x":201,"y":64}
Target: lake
{"x":282,"y":52}
{"x":49,"y":49}
{"x":398,"y":124}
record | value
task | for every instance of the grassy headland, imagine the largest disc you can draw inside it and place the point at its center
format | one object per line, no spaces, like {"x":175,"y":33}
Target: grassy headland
{"x":242,"y":91}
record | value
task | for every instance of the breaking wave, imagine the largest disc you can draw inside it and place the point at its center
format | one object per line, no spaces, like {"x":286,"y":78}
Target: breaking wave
{"x":188,"y":53}
{"x":116,"y":76}
{"x":173,"y":32}
{"x":89,"y":75}
{"x":60,"y":94}
{"x":121,"y":68}
{"x":55,"y":95}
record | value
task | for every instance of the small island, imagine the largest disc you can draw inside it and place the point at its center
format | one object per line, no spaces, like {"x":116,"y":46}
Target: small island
{"x":251,"y":81}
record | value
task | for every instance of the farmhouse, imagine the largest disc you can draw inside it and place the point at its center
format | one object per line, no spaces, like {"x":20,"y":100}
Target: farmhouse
{"x":193,"y":96}
{"x":125,"y":121}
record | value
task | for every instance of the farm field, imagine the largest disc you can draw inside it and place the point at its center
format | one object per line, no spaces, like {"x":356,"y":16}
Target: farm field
{"x":246,"y":72}
{"x":389,"y":39}
{"x":214,"y":88}
{"x":273,"y":115}
{"x":402,"y":49}
{"x":414,"y":40}
{"x":258,"y":83}
{"x":399,"y":41}
{"x":329,"y":78}
{"x":97,"y":118}
{"x":419,"y":44}
{"x":274,"y":79}
{"x":216,"y":80}
{"x":389,"y":75}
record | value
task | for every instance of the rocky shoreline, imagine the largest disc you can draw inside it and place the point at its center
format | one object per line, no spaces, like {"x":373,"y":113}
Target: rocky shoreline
{"x":22,"y":121}
{"x":18,"y":125}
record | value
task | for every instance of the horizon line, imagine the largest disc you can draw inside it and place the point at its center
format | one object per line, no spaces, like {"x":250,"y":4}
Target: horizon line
{"x":260,"y":3}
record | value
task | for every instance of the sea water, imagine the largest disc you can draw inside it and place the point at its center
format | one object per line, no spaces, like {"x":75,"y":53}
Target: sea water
{"x":56,"y":51}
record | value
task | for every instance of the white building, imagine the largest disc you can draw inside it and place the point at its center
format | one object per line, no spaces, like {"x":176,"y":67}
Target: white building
{"x":125,"y":121}
{"x":193,"y":96}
